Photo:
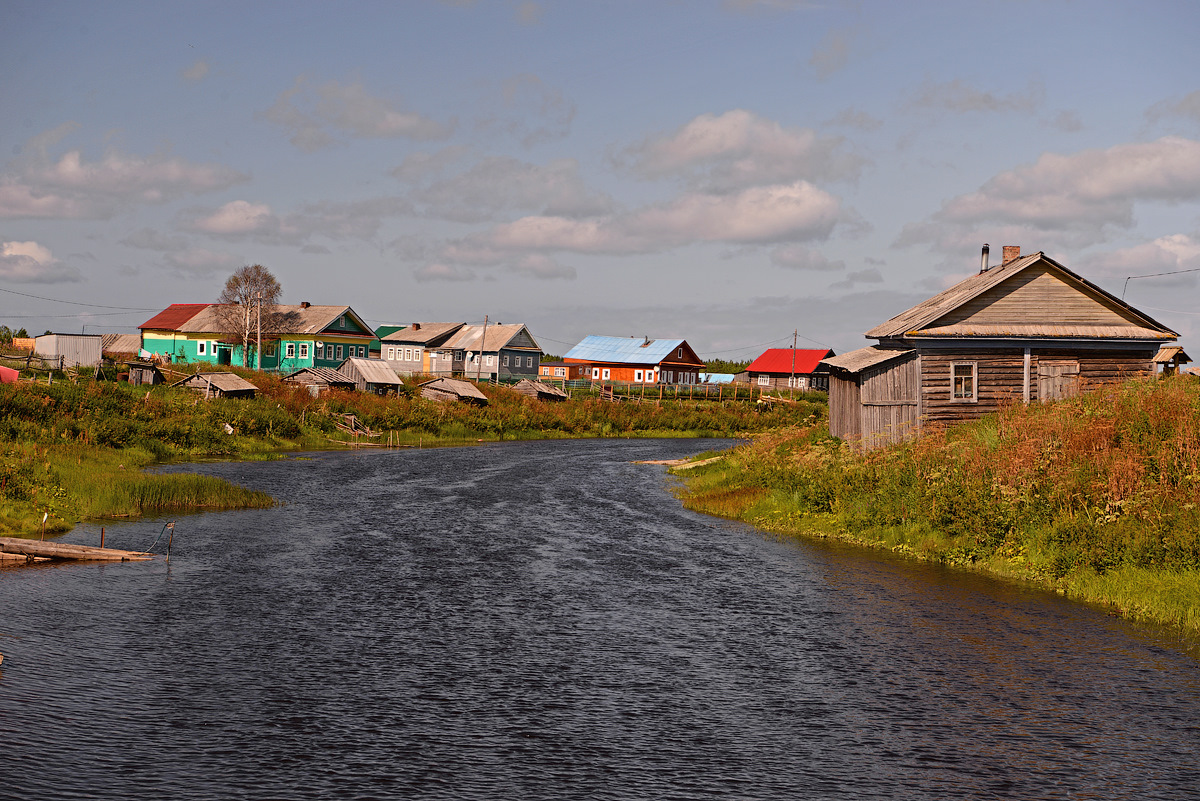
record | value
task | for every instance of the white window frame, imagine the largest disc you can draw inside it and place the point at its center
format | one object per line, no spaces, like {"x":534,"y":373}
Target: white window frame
{"x":595,"y":373}
{"x":560,"y":372}
{"x":764,"y":380}
{"x":391,"y":354}
{"x":958,"y":393}
{"x":408,"y":354}
{"x":339,"y":352}
{"x":303,"y":350}
{"x":528,"y":361}
{"x":679,"y":353}
{"x":606,"y":373}
{"x":637,"y":376}
{"x":290,"y":350}
{"x":489,"y":360}
{"x":200,"y":348}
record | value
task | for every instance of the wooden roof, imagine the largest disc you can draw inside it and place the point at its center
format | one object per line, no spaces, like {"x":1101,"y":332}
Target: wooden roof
{"x":527,"y":386}
{"x":295,"y":320}
{"x":863,"y":358}
{"x":1169,"y":353}
{"x":1029,"y":297}
{"x":497,"y":336}
{"x":324,"y":375}
{"x":464,"y":390}
{"x":226,"y":382}
{"x":373,"y":371}
{"x":422,"y":333}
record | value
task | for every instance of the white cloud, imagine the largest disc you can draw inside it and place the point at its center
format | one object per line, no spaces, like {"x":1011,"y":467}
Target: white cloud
{"x":798,"y":257}
{"x":31,"y":263}
{"x":236,"y":217}
{"x":500,"y":184}
{"x":37,"y":184}
{"x":960,"y":97}
{"x":1167,"y":254}
{"x":195,"y":73}
{"x":739,"y":149}
{"x":443,"y":272}
{"x":313,"y":114}
{"x":179,"y":255}
{"x":1067,"y":200}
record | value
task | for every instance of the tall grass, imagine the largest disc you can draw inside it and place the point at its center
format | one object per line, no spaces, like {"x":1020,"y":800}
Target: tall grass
{"x":1087,"y":495}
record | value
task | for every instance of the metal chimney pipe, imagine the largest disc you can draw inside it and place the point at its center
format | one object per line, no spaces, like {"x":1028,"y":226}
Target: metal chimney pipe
{"x":983,"y":258}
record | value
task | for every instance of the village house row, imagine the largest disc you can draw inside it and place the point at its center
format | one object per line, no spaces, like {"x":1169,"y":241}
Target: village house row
{"x":1026,"y":330}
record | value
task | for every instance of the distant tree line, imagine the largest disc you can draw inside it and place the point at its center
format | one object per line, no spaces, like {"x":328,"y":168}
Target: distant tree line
{"x":722,"y":366}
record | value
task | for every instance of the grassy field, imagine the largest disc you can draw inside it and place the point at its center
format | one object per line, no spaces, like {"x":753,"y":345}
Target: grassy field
{"x":1097,"y":497}
{"x":75,"y":450}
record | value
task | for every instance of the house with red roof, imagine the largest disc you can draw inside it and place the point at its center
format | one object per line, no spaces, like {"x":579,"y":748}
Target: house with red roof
{"x":791,"y":368}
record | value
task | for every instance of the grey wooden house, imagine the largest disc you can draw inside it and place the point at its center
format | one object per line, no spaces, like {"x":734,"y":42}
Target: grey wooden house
{"x":1028,"y":330}
{"x":371,"y":375}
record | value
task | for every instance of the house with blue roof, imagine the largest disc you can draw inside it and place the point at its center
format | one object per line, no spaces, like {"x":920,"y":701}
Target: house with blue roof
{"x":637,"y":360}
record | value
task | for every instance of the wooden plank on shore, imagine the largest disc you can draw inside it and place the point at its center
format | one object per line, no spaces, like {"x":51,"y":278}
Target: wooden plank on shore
{"x":63,"y":550}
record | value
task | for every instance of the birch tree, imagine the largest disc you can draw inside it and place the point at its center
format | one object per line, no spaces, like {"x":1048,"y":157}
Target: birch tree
{"x":250,"y":294}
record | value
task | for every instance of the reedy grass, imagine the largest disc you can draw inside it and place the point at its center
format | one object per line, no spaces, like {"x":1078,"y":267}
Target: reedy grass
{"x":1097,"y":497}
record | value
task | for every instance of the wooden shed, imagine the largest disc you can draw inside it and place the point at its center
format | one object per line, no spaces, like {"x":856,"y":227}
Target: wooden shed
{"x":453,"y":389}
{"x":144,"y":373}
{"x":218,"y":385}
{"x":1027,"y":330}
{"x":1170,"y":358}
{"x":319,"y":379}
{"x":371,"y":375}
{"x":539,"y":391}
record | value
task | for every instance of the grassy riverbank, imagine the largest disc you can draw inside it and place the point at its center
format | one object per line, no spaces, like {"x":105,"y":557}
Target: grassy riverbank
{"x":75,"y":451}
{"x":1097,"y":497}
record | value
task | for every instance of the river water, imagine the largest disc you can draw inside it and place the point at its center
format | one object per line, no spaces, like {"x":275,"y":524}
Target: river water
{"x":543,"y":621}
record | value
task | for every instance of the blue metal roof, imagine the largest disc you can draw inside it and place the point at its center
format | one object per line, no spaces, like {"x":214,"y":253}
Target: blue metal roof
{"x":623,"y":350}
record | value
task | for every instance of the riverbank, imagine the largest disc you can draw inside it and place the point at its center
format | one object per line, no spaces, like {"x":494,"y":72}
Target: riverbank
{"x":74,"y":451}
{"x":1097,"y":497}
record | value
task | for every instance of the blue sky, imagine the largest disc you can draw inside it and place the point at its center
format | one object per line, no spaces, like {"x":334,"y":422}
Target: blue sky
{"x":725,"y":172}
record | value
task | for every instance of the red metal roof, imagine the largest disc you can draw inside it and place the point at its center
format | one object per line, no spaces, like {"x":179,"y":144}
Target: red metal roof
{"x":175,"y":315}
{"x":779,"y":360}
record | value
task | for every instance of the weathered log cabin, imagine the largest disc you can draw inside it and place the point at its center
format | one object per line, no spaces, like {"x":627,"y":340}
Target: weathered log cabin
{"x":1028,"y":330}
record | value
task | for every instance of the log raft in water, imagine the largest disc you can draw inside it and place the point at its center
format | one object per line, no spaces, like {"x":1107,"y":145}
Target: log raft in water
{"x":61,"y":550}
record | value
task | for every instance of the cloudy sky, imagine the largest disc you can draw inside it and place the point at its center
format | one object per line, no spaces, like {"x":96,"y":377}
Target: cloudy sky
{"x":726,"y":172}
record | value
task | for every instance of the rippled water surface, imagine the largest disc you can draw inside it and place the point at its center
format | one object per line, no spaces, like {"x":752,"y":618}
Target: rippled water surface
{"x":543,"y":620}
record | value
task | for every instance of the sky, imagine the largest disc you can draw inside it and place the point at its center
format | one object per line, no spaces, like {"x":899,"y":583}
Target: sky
{"x":734,"y":173}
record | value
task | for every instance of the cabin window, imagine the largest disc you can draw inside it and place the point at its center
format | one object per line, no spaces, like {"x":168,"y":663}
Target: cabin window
{"x":291,"y":350}
{"x":391,"y":354}
{"x":964,"y":382}
{"x":408,"y":354}
{"x":607,"y":373}
{"x":458,"y":355}
{"x":595,"y":373}
{"x":200,"y":348}
{"x":342,"y":321}
{"x":270,"y":349}
{"x":339,"y":351}
{"x":560,"y":372}
{"x":504,"y":360}
{"x":764,"y":380}
{"x":489,"y":360}
{"x":528,"y":361}
{"x":417,"y":354}
{"x":303,"y":350}
{"x":679,"y":353}
{"x":637,"y":375}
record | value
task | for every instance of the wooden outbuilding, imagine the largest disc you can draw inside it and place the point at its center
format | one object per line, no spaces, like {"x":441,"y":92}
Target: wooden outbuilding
{"x":371,"y":375}
{"x":319,"y":379}
{"x":452,"y":389}
{"x":539,"y":391}
{"x":1027,"y":330}
{"x":144,"y":373}
{"x":218,"y":385}
{"x":1170,"y":358}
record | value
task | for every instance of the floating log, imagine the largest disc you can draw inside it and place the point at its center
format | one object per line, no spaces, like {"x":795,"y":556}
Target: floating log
{"x":62,"y":550}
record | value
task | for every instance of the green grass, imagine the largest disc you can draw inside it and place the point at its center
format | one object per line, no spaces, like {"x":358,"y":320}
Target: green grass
{"x":1097,"y":497}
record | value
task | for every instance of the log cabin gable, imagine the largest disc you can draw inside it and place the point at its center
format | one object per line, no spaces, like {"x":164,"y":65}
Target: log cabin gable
{"x":1038,"y":295}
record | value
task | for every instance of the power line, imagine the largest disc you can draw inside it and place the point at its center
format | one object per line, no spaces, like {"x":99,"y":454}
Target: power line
{"x":74,"y":303}
{"x":1129,"y":278}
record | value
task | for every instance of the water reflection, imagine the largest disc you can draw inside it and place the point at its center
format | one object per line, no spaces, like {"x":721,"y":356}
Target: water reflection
{"x":542,"y":620}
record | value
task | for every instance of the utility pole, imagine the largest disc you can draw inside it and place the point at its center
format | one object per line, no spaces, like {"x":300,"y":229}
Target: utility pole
{"x":792,"y":383}
{"x":258,"y":347}
{"x":479,"y":356}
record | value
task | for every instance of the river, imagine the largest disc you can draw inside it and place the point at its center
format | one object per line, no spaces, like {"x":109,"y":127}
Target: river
{"x":544,"y":621}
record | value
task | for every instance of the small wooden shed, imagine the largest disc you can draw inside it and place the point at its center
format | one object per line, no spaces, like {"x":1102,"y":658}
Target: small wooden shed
{"x":452,"y":389}
{"x":1028,"y":330}
{"x":539,"y":391}
{"x":1170,"y":358}
{"x":371,"y":375}
{"x":218,"y":385}
{"x":319,"y":379}
{"x":146,"y":373}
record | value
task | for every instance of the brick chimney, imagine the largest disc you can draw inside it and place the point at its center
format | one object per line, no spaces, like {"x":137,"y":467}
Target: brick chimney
{"x":416,"y":326}
{"x":1011,"y":253}
{"x":304,"y":304}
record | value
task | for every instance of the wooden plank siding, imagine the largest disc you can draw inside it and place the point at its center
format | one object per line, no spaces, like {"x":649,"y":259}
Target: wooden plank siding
{"x":891,"y":401}
{"x":845,"y":416}
{"x":1037,"y":294}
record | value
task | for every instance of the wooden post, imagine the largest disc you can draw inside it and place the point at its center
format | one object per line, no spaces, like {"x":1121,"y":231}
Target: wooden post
{"x":170,"y":540}
{"x":102,"y":536}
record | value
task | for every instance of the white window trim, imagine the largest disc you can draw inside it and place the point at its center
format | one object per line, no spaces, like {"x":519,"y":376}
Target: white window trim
{"x":290,"y":350}
{"x":637,"y":375}
{"x":504,"y":360}
{"x":764,"y":380}
{"x":954,"y":395}
{"x":200,"y":348}
{"x":303,"y":350}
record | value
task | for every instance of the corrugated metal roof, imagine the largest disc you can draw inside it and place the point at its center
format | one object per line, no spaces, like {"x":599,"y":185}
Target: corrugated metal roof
{"x":779,"y":360}
{"x":861,"y":359}
{"x":913,"y":321}
{"x":422,"y":333}
{"x":374,"y":371}
{"x":623,"y":350}
{"x":175,"y":315}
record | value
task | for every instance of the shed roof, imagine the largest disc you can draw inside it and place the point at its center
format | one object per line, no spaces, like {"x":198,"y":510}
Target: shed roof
{"x":1168,"y":353}
{"x":120,"y":343}
{"x":861,"y":359}
{"x":456,"y":387}
{"x":373,"y":371}
{"x":226,"y":382}
{"x":326,"y":374}
{"x":935,"y":317}
{"x":175,"y":315}
{"x":527,"y":386}
{"x":623,"y":350}
{"x":779,"y":360}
